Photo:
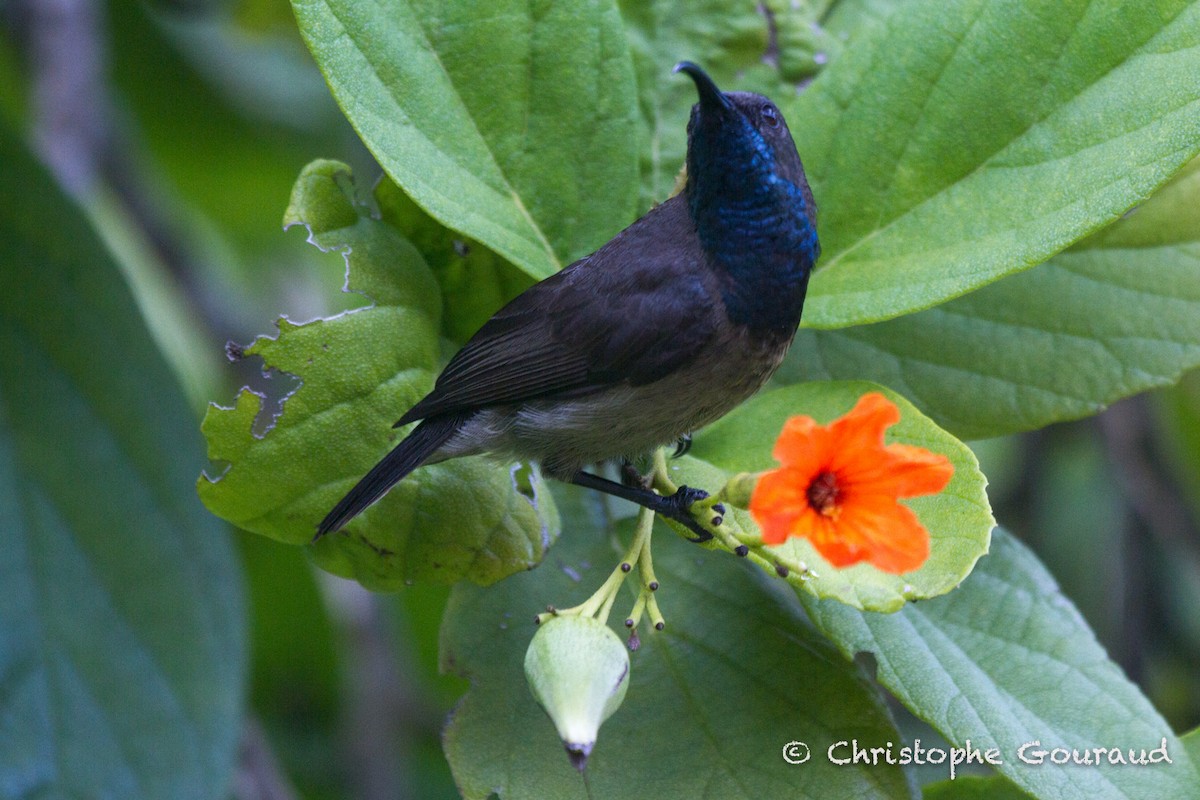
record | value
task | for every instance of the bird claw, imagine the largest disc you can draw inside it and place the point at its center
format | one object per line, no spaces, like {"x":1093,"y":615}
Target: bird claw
{"x":682,"y":445}
{"x":678,"y":507}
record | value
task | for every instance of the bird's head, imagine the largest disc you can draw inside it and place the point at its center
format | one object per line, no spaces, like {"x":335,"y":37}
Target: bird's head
{"x":739,"y":145}
{"x":750,"y":201}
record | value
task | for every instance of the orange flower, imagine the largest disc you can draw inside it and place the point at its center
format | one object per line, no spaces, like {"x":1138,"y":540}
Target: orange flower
{"x":838,"y":487}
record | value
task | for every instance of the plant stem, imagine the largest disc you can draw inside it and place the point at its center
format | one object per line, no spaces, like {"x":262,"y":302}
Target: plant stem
{"x":601,"y":602}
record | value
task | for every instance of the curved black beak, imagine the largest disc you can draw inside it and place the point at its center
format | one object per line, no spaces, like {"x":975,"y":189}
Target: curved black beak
{"x":710,"y":96}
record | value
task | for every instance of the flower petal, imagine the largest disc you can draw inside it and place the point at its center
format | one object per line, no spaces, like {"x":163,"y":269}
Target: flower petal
{"x":861,"y":429}
{"x":779,"y":500}
{"x":887,"y":535}
{"x":898,"y":470}
{"x":917,"y":471}
{"x":802,"y":444}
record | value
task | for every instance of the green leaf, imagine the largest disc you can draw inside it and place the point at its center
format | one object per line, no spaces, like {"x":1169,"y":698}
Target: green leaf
{"x":727,"y":40}
{"x":475,"y":282}
{"x":512,"y":127}
{"x":973,"y":787}
{"x":963,"y":141}
{"x":1007,"y":660}
{"x":122,"y":633}
{"x":1191,"y":742}
{"x":713,"y":698}
{"x":1116,"y":314}
{"x":959,"y":519}
{"x":846,"y":18}
{"x":359,"y":372}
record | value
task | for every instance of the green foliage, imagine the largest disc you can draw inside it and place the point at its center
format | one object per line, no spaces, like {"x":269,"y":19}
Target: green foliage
{"x":1007,"y":660}
{"x":1116,"y":314}
{"x":735,"y":675}
{"x":973,"y":787}
{"x":473,"y":279}
{"x":976,"y":163}
{"x":534,"y":160}
{"x":959,"y":519}
{"x":233,"y":166}
{"x":338,"y":424}
{"x":964,"y":141}
{"x":122,"y":647}
{"x":726,"y":39}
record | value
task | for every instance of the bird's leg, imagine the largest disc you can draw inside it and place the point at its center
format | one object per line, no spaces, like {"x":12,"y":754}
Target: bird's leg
{"x":675,"y":506}
{"x":631,"y":477}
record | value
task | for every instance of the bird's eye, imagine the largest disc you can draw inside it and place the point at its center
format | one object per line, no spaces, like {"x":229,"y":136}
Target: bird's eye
{"x":770,"y":115}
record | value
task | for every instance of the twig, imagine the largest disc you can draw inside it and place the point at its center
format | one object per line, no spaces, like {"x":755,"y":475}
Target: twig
{"x":258,"y":776}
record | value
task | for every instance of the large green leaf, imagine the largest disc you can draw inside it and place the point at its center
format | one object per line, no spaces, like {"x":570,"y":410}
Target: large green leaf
{"x":1007,"y":660}
{"x":122,"y":643}
{"x":1114,"y":315}
{"x":511,"y":126}
{"x":959,"y":518}
{"x":712,"y":701}
{"x":962,"y":141}
{"x":359,"y":372}
{"x":846,"y":18}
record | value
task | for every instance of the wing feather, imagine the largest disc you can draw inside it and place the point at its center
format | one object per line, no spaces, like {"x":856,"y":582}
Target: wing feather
{"x":641,"y":306}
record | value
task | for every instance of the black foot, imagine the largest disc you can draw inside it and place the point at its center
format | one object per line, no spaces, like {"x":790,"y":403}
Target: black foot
{"x":678,"y":507}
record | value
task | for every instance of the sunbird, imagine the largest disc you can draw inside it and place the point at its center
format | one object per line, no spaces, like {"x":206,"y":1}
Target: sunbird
{"x":673,"y":323}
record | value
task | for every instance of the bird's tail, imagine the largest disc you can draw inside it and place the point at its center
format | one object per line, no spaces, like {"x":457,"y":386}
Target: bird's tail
{"x":404,"y":458}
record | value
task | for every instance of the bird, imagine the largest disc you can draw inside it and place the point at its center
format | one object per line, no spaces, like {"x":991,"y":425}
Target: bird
{"x":667,"y":327}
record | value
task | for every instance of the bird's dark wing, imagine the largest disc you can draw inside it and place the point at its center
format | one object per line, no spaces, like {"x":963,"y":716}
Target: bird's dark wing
{"x":638,"y":308}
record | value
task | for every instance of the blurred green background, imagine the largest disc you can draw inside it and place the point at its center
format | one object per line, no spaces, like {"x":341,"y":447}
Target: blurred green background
{"x":181,"y":127}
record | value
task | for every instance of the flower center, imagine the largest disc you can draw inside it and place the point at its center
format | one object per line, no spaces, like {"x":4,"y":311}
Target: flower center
{"x":823,"y":494}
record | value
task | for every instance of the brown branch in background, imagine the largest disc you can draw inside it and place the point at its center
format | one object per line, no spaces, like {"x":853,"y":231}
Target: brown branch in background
{"x":1127,"y":429}
{"x":383,"y":710}
{"x":1015,"y":507}
{"x":66,"y":54}
{"x":1156,"y":508}
{"x":257,"y":776}
{"x":79,"y":135}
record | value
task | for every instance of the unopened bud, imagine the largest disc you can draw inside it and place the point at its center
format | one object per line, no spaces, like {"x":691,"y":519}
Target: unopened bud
{"x":738,"y":489}
{"x":578,"y":670}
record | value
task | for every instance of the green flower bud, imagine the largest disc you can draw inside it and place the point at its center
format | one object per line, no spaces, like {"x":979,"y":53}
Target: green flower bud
{"x":578,"y":670}
{"x":739,"y":488}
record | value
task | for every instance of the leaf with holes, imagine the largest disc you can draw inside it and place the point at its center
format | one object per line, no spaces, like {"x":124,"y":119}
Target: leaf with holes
{"x":359,"y":371}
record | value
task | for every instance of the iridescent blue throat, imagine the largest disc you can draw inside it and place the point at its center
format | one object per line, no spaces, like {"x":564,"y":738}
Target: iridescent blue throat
{"x":757,"y":226}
